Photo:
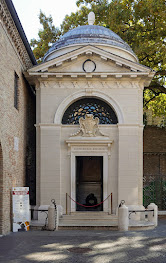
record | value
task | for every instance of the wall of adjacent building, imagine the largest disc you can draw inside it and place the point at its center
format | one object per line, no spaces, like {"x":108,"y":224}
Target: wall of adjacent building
{"x":14,"y":124}
{"x":155,"y":166}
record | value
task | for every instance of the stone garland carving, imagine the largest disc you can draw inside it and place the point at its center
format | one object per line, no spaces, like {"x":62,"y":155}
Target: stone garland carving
{"x":90,"y":86}
{"x":12,"y":31}
{"x":88,"y":127}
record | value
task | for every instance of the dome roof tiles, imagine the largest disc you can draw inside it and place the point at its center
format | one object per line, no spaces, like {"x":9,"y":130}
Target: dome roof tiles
{"x":89,"y":34}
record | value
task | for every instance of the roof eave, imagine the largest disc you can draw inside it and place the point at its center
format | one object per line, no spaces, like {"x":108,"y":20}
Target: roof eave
{"x":20,"y":30}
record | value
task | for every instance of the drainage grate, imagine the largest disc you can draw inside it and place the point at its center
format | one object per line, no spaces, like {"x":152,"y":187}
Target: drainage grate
{"x":79,"y":249}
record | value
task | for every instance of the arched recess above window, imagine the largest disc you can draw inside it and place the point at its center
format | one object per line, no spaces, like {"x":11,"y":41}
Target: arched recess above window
{"x":93,"y":106}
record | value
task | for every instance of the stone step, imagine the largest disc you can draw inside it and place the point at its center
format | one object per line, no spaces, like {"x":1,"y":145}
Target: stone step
{"x":87,"y":223}
{"x":89,"y":217}
{"x":89,"y":213}
{"x":88,"y":220}
{"x":75,"y":227}
{"x":87,"y":227}
{"x":68,"y":217}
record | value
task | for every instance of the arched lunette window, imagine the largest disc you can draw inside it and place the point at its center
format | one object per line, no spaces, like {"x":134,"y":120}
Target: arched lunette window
{"x":93,"y":106}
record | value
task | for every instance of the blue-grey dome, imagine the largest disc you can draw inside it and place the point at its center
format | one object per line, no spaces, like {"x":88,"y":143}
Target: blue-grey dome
{"x":89,"y":34}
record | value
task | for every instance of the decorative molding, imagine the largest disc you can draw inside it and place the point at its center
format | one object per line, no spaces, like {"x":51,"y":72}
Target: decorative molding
{"x":88,"y":127}
{"x":89,"y":66}
{"x":12,"y":31}
{"x":89,"y":86}
{"x":75,"y":85}
{"x":90,"y":145}
{"x":91,"y":75}
{"x":127,"y":125}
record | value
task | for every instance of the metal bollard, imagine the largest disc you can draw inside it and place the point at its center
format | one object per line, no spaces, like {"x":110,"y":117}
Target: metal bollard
{"x":51,"y":217}
{"x":153,"y":215}
{"x":123,"y":217}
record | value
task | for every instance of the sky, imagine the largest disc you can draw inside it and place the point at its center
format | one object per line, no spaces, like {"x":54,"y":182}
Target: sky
{"x":28,"y":12}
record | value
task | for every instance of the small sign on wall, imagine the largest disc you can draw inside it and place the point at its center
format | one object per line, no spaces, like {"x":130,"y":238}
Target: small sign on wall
{"x":16,"y":144}
{"x":21,"y":212}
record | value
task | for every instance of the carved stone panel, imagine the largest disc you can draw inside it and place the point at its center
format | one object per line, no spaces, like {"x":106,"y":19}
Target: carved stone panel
{"x":88,"y":127}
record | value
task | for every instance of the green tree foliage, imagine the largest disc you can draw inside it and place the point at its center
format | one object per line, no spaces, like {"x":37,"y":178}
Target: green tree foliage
{"x":156,"y":101}
{"x":47,"y":36}
{"x":141,"y":23}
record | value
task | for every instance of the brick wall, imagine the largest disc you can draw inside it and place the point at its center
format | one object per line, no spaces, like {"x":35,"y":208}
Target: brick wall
{"x":1,"y":187}
{"x":154,"y":150}
{"x":154,"y":139}
{"x":155,"y":166}
{"x":13,"y":123}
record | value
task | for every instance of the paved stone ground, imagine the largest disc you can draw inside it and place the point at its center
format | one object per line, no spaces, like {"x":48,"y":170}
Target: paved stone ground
{"x":106,"y":246}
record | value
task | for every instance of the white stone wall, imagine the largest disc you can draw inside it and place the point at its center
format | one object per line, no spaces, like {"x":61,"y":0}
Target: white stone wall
{"x":125,"y":161}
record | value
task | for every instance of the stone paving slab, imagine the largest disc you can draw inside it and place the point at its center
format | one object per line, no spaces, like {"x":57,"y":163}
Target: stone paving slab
{"x":68,"y":246}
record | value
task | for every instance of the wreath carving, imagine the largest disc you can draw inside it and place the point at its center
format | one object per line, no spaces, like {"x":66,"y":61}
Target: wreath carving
{"x":91,"y":200}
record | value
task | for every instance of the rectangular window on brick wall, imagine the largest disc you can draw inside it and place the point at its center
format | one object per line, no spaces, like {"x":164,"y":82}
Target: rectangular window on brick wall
{"x":16,"y":90}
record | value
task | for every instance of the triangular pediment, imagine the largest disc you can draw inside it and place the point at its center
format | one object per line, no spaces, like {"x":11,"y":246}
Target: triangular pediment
{"x":88,"y":60}
{"x":79,"y":65}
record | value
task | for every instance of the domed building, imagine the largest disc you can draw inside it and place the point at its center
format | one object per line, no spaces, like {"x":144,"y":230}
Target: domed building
{"x":89,"y":122}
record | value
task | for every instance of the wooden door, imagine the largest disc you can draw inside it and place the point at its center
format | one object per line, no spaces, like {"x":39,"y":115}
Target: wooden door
{"x":89,"y":182}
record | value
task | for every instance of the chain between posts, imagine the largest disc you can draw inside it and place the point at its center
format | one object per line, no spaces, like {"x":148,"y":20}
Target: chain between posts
{"x":67,"y":195}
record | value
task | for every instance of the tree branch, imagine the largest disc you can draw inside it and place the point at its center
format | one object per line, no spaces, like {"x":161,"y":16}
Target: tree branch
{"x":162,"y":89}
{"x":156,"y":94}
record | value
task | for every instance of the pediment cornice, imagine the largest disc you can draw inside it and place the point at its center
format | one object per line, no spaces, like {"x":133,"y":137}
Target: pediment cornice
{"x":53,"y":67}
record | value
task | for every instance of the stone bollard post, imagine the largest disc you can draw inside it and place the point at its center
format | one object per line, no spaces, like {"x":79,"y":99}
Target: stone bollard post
{"x":123,"y":218}
{"x":153,"y":216}
{"x":51,"y":217}
{"x":57,"y":217}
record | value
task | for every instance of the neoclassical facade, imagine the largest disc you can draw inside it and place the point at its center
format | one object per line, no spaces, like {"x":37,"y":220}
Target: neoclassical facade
{"x":89,"y":127}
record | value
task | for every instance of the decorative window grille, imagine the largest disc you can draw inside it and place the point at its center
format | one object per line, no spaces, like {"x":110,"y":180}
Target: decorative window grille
{"x":16,"y":91}
{"x":93,"y":106}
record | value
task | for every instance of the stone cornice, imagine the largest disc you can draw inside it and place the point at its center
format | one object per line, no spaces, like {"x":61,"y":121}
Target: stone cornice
{"x":8,"y":23}
{"x":88,"y":51}
{"x":123,"y":68}
{"x":90,"y":75}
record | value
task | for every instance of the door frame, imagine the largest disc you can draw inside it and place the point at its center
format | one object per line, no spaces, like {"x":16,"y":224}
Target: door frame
{"x":73,"y":176}
{"x":100,"y":160}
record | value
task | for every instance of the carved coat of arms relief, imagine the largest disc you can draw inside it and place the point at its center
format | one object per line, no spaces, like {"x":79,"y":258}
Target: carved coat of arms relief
{"x":88,"y":127}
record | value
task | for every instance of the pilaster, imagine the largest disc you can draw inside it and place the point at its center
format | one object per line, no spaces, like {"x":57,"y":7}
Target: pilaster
{"x":130,"y":164}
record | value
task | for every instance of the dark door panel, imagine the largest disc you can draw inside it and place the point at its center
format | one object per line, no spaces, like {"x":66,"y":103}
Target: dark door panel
{"x":89,"y":182}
